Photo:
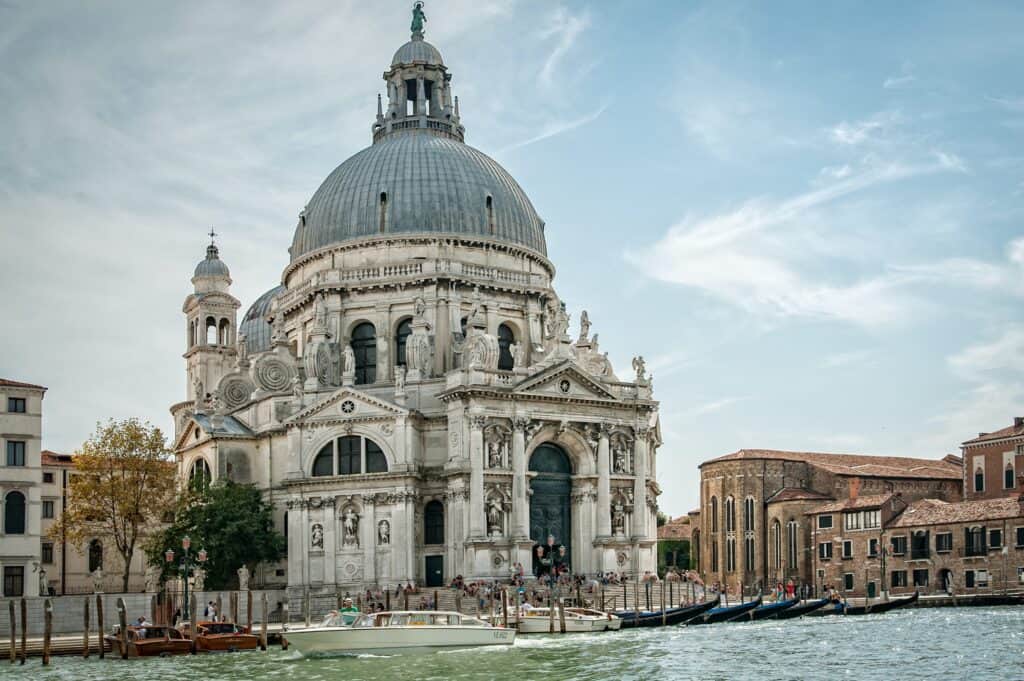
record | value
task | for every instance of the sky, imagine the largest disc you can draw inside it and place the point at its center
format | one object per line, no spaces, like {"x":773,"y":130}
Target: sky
{"x":807,"y":217}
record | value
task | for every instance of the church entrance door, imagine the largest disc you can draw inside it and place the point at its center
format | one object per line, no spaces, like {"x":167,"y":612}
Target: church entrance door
{"x":550,"y":507}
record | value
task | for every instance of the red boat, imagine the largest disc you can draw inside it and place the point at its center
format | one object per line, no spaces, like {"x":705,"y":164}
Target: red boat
{"x":221,"y":637}
{"x":152,"y":641}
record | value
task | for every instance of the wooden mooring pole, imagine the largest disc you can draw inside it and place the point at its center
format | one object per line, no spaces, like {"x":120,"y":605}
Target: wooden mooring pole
{"x":263,"y":624}
{"x":220,"y":610}
{"x":99,"y":624}
{"x":387,"y":599}
{"x":14,"y":632}
{"x":248,"y":611}
{"x":284,"y":624}
{"x":663,"y":604}
{"x":436,"y":604}
{"x":122,"y":635}
{"x":504,"y":608}
{"x":24,"y":630}
{"x":602,"y":597}
{"x":306,"y":608}
{"x":47,"y":630}
{"x":234,"y":607}
{"x":551,"y":610}
{"x":561,"y":614}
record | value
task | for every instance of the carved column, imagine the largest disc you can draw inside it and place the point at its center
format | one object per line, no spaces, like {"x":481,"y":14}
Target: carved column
{"x":330,"y":524}
{"x":368,"y":539}
{"x":421,"y":98}
{"x":520,"y":505}
{"x":640,"y":484}
{"x":476,"y":477}
{"x":604,"y":492}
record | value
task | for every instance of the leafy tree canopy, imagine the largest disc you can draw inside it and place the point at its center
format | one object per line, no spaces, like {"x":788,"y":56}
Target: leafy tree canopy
{"x":229,"y":520}
{"x":124,"y":480}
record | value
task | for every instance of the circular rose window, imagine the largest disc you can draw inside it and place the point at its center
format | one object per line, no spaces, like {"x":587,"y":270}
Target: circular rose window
{"x":348,"y":406}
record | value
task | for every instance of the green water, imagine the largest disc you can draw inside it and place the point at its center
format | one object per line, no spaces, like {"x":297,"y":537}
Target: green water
{"x":981,"y":644}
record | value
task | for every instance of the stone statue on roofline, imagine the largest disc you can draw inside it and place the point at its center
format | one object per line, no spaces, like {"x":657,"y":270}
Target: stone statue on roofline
{"x":418,"y":19}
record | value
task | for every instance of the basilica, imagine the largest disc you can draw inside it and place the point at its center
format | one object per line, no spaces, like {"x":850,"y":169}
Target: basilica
{"x":410,"y":396}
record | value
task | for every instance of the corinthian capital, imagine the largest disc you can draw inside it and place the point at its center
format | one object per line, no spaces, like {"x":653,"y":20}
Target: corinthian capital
{"x":477,"y":422}
{"x":520,"y":422}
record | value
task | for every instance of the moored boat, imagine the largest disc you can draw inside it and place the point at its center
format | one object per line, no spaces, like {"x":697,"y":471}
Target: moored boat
{"x":725,"y":614}
{"x":765,"y":611}
{"x":221,"y":637}
{"x":841,"y":608}
{"x":652,"y":618}
{"x":539,"y":621}
{"x":152,"y":641}
{"x":399,"y":631}
{"x":612,"y":622}
{"x":805,"y":608}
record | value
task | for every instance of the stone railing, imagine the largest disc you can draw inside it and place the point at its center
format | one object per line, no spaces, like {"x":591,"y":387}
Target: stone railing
{"x":481,"y":377}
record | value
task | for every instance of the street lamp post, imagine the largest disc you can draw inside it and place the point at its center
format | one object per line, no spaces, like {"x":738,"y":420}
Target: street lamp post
{"x":187,"y":565}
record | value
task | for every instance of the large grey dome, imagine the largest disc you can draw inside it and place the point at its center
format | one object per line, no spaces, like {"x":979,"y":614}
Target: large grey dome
{"x":423,"y":184}
{"x":254,"y":325}
{"x":417,"y":51}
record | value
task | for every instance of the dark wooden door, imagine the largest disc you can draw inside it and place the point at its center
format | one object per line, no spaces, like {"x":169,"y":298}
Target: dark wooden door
{"x":435,"y":571}
{"x":550,"y":506}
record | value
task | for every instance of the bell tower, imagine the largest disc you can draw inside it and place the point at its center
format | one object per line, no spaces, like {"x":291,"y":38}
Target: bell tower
{"x":210,"y":321}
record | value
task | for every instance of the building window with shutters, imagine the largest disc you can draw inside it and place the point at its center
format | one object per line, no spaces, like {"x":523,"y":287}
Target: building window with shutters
{"x":943,"y":542}
{"x":14,"y":581}
{"x":825,"y":550}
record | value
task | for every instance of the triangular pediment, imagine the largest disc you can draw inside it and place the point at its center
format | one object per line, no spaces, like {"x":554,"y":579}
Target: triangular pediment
{"x":565,"y":380}
{"x":188,"y":434}
{"x":348,"y":403}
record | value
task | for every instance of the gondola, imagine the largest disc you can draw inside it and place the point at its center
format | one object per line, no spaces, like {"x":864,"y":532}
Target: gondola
{"x":765,"y":611}
{"x":716,"y":615}
{"x":868,"y":609}
{"x":800,"y":610}
{"x":652,"y":618}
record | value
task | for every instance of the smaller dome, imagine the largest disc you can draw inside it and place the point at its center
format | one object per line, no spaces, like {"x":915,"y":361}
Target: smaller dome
{"x":212,"y":265}
{"x":254,"y":325}
{"x":417,"y":51}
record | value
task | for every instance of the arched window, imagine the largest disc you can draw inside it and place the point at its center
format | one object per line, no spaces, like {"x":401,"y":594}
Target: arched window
{"x":224,"y":336}
{"x":776,"y":544}
{"x":14,"y":513}
{"x":730,"y":514}
{"x":490,"y":214}
{"x":383,"y":217}
{"x":1008,"y":477}
{"x":791,"y":545}
{"x":364,"y":346}
{"x":211,"y":331}
{"x":714,"y":514}
{"x":433,"y":523}
{"x":505,"y":340}
{"x":323,"y":464}
{"x":349,"y":455}
{"x":695,"y":543}
{"x":979,"y":479}
{"x":376,"y":462}
{"x":192,"y":333}
{"x":401,"y":336}
{"x":200,"y":476}
{"x":714,"y":554}
{"x":95,"y":555}
{"x":748,"y":514}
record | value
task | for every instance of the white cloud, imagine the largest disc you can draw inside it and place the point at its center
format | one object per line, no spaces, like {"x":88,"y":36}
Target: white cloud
{"x":901,"y":80}
{"x":557,"y":127}
{"x":843,"y":359}
{"x":565,"y":28}
{"x":860,"y":132}
{"x":1001,"y":357}
{"x":1012,"y":103}
{"x":715,"y":405}
{"x":752,"y":256}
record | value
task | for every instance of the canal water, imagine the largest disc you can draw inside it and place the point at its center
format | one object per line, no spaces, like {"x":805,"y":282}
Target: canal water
{"x":983,"y":644}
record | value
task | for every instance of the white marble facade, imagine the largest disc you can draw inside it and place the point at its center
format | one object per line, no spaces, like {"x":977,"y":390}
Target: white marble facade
{"x":401,"y":371}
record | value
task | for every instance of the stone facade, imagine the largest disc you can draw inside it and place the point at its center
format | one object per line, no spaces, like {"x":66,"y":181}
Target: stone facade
{"x":21,"y":477}
{"x":754,"y":528}
{"x":410,"y":399}
{"x":994,"y":462}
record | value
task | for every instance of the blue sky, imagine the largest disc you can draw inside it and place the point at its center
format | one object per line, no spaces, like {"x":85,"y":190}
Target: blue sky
{"x":807,"y":217}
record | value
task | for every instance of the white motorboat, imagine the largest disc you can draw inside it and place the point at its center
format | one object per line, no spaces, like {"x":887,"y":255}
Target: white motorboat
{"x":577,"y":620}
{"x":613,"y":622}
{"x":398,"y":631}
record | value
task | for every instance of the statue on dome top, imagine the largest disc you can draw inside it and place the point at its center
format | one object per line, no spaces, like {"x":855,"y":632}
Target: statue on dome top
{"x":418,"y":19}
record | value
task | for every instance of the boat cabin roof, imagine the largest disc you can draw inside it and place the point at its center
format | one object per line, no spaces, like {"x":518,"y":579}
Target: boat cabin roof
{"x":418,"y":618}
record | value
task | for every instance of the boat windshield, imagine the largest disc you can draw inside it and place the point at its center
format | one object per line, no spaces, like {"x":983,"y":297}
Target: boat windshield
{"x":473,"y":622}
{"x":222,"y":628}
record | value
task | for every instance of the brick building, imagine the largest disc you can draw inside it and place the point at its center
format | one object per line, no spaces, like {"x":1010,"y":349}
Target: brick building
{"x":757,"y":522}
{"x":993,"y":461}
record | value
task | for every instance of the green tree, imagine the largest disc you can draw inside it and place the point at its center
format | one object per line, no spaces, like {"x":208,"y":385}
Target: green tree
{"x":124,"y":481}
{"x":229,"y":520}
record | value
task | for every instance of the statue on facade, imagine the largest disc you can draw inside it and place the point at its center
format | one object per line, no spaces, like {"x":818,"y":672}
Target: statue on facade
{"x":243,"y":578}
{"x":320,"y":311}
{"x":44,"y":584}
{"x":618,"y":520}
{"x":199,"y":579}
{"x":517,"y":350}
{"x":619,"y":459}
{"x":350,"y":527}
{"x":197,"y":387}
{"x":494,"y":517}
{"x":97,"y":580}
{"x":584,"y":326}
{"x":474,"y":311}
{"x":418,"y":18}
{"x":243,"y":350}
{"x":561,"y":324}
{"x":383,"y":532}
{"x":640,"y":367}
{"x":419,"y":308}
{"x":297,"y":390}
{"x":400,"y":379}
{"x":348,"y":360}
{"x":494,"y":454}
{"x":317,"y":536}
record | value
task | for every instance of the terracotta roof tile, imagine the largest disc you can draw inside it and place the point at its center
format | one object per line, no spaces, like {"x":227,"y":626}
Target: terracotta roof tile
{"x":5,"y":382}
{"x":938,"y":512}
{"x":796,"y":494}
{"x":49,"y":458}
{"x":866,"y":501}
{"x":1009,"y":431}
{"x":863,"y":465}
{"x":678,"y":528}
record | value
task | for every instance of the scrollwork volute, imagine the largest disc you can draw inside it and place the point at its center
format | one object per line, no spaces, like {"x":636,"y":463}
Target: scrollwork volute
{"x":273,"y":374}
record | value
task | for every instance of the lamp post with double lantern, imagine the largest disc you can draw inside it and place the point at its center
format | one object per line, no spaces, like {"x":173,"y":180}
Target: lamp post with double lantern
{"x":188,"y":563}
